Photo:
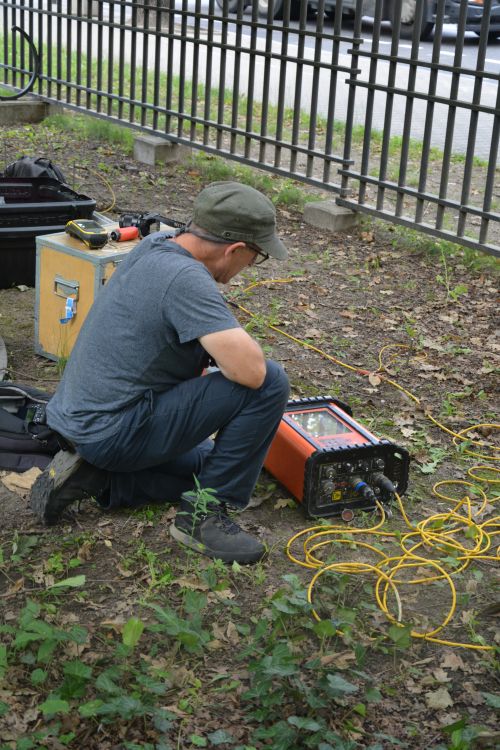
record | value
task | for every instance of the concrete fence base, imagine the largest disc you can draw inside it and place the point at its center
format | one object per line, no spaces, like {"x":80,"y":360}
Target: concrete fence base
{"x":151,"y":149}
{"x":327,"y":215}
{"x":26,"y":110}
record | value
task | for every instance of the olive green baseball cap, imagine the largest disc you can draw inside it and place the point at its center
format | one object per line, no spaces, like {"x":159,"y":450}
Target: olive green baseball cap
{"x":239,"y":213}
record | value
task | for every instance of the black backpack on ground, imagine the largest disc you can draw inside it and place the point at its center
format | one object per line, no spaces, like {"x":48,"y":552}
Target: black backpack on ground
{"x":34,"y":166}
{"x":25,"y":439}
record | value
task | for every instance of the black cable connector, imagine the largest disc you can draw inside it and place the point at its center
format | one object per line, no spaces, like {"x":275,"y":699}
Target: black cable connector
{"x":386,"y":486}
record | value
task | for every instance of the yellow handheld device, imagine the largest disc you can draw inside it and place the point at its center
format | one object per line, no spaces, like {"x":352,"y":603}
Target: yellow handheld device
{"x":88,"y":231}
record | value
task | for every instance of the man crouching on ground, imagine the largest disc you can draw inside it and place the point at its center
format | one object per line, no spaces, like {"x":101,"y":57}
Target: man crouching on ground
{"x":133,"y":404}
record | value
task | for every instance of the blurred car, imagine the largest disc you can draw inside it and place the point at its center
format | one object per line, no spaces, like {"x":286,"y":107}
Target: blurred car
{"x":408,"y":12}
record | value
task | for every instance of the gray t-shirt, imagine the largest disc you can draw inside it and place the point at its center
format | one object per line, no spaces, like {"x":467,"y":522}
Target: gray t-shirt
{"x":141,"y":334}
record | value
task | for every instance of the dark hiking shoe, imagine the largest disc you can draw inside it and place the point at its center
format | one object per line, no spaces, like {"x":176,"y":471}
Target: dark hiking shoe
{"x":214,"y":534}
{"x":66,"y":479}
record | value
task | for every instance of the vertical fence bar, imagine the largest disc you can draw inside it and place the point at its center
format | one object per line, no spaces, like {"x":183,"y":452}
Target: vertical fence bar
{"x":59,"y":50}
{"x":157,"y":70}
{"x":133,"y":63}
{"x":50,"y":52}
{"x":235,"y":104}
{"x":208,"y":70}
{"x":69,"y":47}
{"x":100,"y":57}
{"x":332,"y":94}
{"x":351,"y":99}
{"x":145,"y":62}
{"x":170,"y":65}
{"x":452,"y":112}
{"x":222,"y":84}
{"x":313,"y":109}
{"x":251,"y":82}
{"x":22,"y":62}
{"x":285,"y":34}
{"x":194,"y":69}
{"x":182,"y":71}
{"x":78,"y":59}
{"x":89,"y":61}
{"x":121,"y":61}
{"x":267,"y":76}
{"x":491,"y":174}
{"x":13,"y":56}
{"x":31,"y":27}
{"x":6,"y":27}
{"x":41,"y":50}
{"x":389,"y":104}
{"x":405,"y":143}
{"x":110,"y":58}
{"x":297,"y":101}
{"x":372,"y":77}
{"x":429,"y":110}
{"x":474,"y":117}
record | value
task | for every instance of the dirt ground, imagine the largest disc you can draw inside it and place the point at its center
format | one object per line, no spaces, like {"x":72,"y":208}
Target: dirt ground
{"x":390,"y":306}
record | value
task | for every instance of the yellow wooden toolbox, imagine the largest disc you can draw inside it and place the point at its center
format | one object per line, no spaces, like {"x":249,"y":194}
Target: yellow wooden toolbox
{"x":69,"y":276}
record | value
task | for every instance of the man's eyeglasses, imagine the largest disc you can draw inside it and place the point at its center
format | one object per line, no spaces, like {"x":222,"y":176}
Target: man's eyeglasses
{"x":262,"y":256}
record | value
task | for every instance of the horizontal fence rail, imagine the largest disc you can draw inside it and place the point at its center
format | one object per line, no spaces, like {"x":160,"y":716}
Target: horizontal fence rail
{"x":314,"y":94}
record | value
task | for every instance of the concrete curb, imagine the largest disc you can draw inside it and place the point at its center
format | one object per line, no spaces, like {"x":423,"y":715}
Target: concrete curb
{"x":151,"y":149}
{"x":327,"y":215}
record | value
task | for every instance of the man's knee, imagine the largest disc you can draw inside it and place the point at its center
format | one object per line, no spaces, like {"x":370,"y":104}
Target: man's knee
{"x":276,"y":380}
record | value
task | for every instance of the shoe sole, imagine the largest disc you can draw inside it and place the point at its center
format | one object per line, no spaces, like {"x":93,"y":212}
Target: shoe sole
{"x":188,"y":541}
{"x":44,"y":501}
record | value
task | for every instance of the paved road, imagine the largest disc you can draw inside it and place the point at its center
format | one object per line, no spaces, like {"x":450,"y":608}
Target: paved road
{"x":488,"y":96}
{"x":488,"y":93}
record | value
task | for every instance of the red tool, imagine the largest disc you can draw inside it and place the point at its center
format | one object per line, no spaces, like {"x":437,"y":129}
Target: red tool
{"x":125,"y":234}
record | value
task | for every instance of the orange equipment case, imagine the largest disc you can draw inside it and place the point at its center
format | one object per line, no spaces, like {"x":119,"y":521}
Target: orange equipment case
{"x":332,"y":464}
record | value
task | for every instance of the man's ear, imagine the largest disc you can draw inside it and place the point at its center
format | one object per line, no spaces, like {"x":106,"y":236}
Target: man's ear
{"x":230,"y":249}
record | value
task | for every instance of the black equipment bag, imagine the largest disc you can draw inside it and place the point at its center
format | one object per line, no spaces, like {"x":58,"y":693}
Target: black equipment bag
{"x":34,"y":166}
{"x":25,"y":438}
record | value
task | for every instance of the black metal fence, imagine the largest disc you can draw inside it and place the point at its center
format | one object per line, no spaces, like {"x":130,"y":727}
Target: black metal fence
{"x":401,"y":130}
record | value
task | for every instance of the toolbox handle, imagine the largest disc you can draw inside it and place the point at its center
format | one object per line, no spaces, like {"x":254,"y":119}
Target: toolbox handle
{"x":66,"y":288}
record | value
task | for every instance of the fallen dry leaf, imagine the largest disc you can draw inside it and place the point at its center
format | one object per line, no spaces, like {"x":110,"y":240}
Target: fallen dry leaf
{"x":312,"y":333}
{"x":116,"y":625}
{"x":374,"y":378}
{"x":215,"y":644}
{"x":283,"y":502}
{"x":407,"y":431}
{"x":341,"y":660}
{"x":15,"y":587}
{"x":20,"y":483}
{"x":453,"y":661}
{"x":84,"y":551}
{"x":232,"y":634}
{"x":125,"y":572}
{"x":441,"y":676}
{"x":439,"y":699}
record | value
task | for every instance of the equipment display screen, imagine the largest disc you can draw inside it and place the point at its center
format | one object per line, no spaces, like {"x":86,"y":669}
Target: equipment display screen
{"x":319,"y":423}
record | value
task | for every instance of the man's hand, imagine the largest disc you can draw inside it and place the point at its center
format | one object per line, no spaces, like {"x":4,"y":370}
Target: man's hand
{"x":238,"y":356}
